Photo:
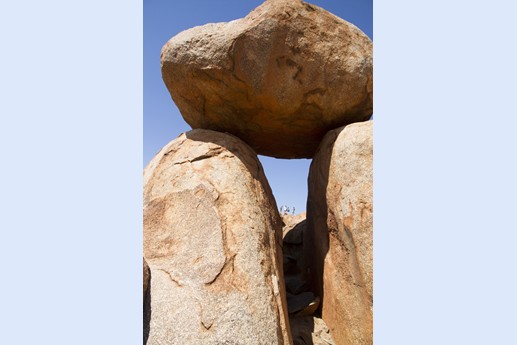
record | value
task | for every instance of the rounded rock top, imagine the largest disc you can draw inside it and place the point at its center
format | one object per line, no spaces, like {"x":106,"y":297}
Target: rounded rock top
{"x":279,"y":79}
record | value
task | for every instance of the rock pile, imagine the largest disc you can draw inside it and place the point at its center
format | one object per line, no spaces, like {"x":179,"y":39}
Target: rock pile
{"x":221,"y":266}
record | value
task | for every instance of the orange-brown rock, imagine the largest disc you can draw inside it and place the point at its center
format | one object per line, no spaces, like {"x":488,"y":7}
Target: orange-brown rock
{"x":212,"y":239}
{"x":339,"y":233}
{"x":279,"y":79}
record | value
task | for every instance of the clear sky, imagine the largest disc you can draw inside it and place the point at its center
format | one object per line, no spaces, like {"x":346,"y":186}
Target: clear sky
{"x":162,"y":121}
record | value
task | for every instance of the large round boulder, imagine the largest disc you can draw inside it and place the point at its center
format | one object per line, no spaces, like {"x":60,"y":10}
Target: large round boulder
{"x":279,"y":79}
{"x":212,"y":239}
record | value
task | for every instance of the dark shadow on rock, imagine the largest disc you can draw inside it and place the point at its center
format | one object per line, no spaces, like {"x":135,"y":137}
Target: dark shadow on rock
{"x":147,"y":313}
{"x":295,"y":235}
{"x":293,"y":250}
{"x":301,"y":300}
{"x":315,"y":236}
{"x":302,"y":328}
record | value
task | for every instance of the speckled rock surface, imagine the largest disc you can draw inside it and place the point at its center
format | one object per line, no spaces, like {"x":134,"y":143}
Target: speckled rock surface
{"x":339,"y":233}
{"x":212,"y":239}
{"x":279,"y":79}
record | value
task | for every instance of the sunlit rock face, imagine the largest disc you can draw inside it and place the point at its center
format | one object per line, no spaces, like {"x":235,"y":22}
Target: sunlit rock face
{"x":279,"y":79}
{"x":212,"y":239}
{"x":338,"y":240}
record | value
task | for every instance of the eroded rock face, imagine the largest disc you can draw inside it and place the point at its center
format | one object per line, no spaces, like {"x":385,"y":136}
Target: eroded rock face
{"x":279,"y":79}
{"x":212,"y":239}
{"x":339,"y":234}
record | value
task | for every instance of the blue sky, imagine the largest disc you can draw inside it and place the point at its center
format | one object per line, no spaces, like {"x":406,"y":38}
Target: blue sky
{"x":162,"y":121}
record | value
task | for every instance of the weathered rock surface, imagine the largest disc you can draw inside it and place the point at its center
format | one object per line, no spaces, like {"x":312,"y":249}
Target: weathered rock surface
{"x":146,"y":276}
{"x":339,"y":234}
{"x":279,"y":79}
{"x":212,"y":239}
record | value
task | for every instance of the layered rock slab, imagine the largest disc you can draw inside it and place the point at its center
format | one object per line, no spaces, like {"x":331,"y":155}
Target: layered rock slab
{"x":338,"y":240}
{"x":212,"y":239}
{"x":279,"y":79}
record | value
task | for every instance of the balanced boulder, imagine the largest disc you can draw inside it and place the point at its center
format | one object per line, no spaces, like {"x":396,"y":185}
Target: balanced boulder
{"x":339,"y":233}
{"x":212,"y":239}
{"x":279,"y":79}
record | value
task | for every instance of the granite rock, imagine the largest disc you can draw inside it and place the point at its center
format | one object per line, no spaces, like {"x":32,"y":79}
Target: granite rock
{"x":279,"y":79}
{"x":212,"y":239}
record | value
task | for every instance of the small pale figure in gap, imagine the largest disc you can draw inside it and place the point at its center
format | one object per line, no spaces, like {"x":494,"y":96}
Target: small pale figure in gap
{"x":286,"y":210}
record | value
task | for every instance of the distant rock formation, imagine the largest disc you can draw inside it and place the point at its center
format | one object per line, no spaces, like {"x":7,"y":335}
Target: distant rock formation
{"x":279,"y":79}
{"x":212,"y":239}
{"x":339,"y":234}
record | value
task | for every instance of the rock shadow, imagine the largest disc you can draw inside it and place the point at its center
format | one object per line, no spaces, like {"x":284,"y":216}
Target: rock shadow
{"x":316,"y":240}
{"x":301,"y":320}
{"x":147,"y":311}
{"x":302,"y":328}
